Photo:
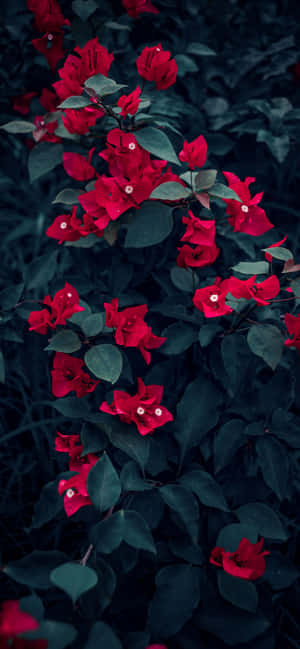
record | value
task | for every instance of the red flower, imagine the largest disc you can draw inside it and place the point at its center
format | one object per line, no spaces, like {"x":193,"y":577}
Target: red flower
{"x":130,"y":328}
{"x":49,"y":100}
{"x":144,"y":408}
{"x":65,"y":227}
{"x":261,"y":292}
{"x":64,"y":304}
{"x":80,"y":120}
{"x":248,"y":562}
{"x":44,"y":131}
{"x":92,"y":59}
{"x":197,"y":257}
{"x":135,"y":7}
{"x":21,"y":103}
{"x":78,"y":167}
{"x":269,"y":257}
{"x":75,"y":489}
{"x":68,"y":375}
{"x":47,"y":14}
{"x":292,"y":323}
{"x":70,"y":444}
{"x":197,"y":231}
{"x":246,"y":216}
{"x":14,"y":621}
{"x":111,"y":194}
{"x":51,"y":46}
{"x":39,"y":321}
{"x":194,"y":153}
{"x":211,"y":299}
{"x":155,"y":64}
{"x":129,"y":103}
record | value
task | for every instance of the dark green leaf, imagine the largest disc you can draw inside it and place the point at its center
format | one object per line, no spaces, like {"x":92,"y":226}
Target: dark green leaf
{"x":263,"y":519}
{"x":180,"y":336}
{"x":170,"y":191}
{"x":252,"y":267}
{"x":103,"y":85}
{"x":206,"y":488}
{"x":279,"y":253}
{"x":205,"y":179}
{"x":41,"y":270}
{"x":157,"y":142}
{"x":103,"y":484}
{"x":183,"y":502}
{"x":109,"y":533}
{"x":93,"y":324}
{"x":184,"y":279}
{"x":78,"y":101}
{"x":105,"y":361}
{"x":222,"y":191}
{"x":137,"y":533}
{"x":44,"y":157}
{"x":267,"y":342}
{"x":74,"y":579}
{"x":238,"y":592}
{"x":10,"y":296}
{"x":34,"y":569}
{"x":128,"y":440}
{"x":67,"y":196}
{"x":177,"y":595}
{"x":231,"y":535}
{"x":199,"y":49}
{"x":274,"y":463}
{"x":279,"y":145}
{"x":18,"y":126}
{"x":101,"y":635}
{"x":152,"y":224}
{"x":84,"y":8}
{"x":58,"y":634}
{"x":2,"y":368}
{"x":65,"y":341}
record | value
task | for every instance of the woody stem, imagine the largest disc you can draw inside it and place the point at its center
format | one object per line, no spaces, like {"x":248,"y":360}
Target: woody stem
{"x":86,"y":557}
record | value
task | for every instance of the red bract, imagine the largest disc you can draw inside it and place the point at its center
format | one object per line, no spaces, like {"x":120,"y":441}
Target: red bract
{"x":78,"y":167}
{"x":130,"y":328}
{"x":197,"y":257}
{"x":144,"y":408}
{"x":246,"y":216}
{"x":248,"y":562}
{"x":49,"y":100}
{"x":135,"y":7}
{"x":129,"y":103}
{"x":51,"y":46}
{"x":68,"y":375}
{"x":80,"y":120}
{"x":155,"y":64}
{"x":211,"y":299}
{"x":292,"y":323}
{"x":92,"y":59}
{"x":269,"y":257}
{"x":21,"y":103}
{"x":261,"y":292}
{"x":75,"y":489}
{"x":70,"y":444}
{"x":64,"y":304}
{"x":47,"y":15}
{"x":14,"y":621}
{"x":65,"y":227}
{"x":198,"y":232}
{"x":111,"y":195}
{"x":44,"y":131}
{"x":39,"y":321}
{"x":194,"y":153}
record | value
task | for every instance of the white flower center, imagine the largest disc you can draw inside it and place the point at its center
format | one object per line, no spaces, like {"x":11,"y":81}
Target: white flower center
{"x":214,"y":297}
{"x":42,"y":123}
{"x":131,"y":146}
{"x":69,"y":294}
{"x":63,"y":225}
{"x":158,"y":49}
{"x":50,"y":37}
{"x":128,"y":189}
{"x":245,"y":208}
{"x":140,"y":410}
{"x":70,"y":493}
{"x":158,"y":412}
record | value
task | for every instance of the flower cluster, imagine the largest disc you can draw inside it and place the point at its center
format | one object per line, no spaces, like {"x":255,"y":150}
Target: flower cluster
{"x":75,"y":488}
{"x":135,"y":7}
{"x":248,"y":562}
{"x":211,"y":299}
{"x":245,"y":216}
{"x":68,"y":376}
{"x":64,"y":304}
{"x":14,"y":621}
{"x":49,"y":20}
{"x":201,"y":234}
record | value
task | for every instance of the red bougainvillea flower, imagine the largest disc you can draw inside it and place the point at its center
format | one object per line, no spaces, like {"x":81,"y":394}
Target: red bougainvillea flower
{"x":65,"y":227}
{"x":200,"y":233}
{"x":136,"y":7}
{"x":47,"y":15}
{"x":211,"y":299}
{"x":269,"y":257}
{"x":130,"y":328}
{"x":21,"y":103}
{"x":14,"y":621}
{"x":70,"y":444}
{"x":144,"y":408}
{"x":79,"y":121}
{"x":49,"y":100}
{"x":292,"y":323}
{"x":155,"y":64}
{"x":39,"y":321}
{"x":68,"y":375}
{"x":129,"y":103}
{"x":248,"y":562}
{"x":45,"y":131}
{"x":194,"y":153}
{"x":246,"y":216}
{"x":64,"y":304}
{"x":197,"y":257}
{"x":261,"y":292}
{"x":92,"y":59}
{"x":51,"y":46}
{"x":75,"y":489}
{"x":77,"y":166}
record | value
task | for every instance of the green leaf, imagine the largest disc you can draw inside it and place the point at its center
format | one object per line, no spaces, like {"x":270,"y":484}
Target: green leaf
{"x":263,"y":519}
{"x":171,"y":191}
{"x":208,"y":332}
{"x":105,"y":361}
{"x":238,"y":592}
{"x":205,"y":179}
{"x":103,"y":85}
{"x":93,"y":324}
{"x":41,"y":270}
{"x":266,"y":341}
{"x":185,"y":64}
{"x":101,"y":635}
{"x":176,"y":597}
{"x":232,"y":625}
{"x":279,"y":145}
{"x":206,"y":488}
{"x":251,"y":267}
{"x":131,"y":478}
{"x":180,"y":336}
{"x":34,"y":569}
{"x":183,"y":502}
{"x":10,"y":296}
{"x":74,"y":579}
{"x":65,"y":341}
{"x":85,"y":242}
{"x":137,"y":533}
{"x":228,"y":440}
{"x":109,"y":533}
{"x":200,"y":50}
{"x":67,"y":196}
{"x":2,"y":368}
{"x":231,"y":535}
{"x":18,"y":126}
{"x":58,"y":634}
{"x":222,"y":191}
{"x":50,"y":503}
{"x":76,"y":101}
{"x":152,"y":224}
{"x":157,"y":142}
{"x":184,"y":279}
{"x":44,"y":157}
{"x":274,"y":463}
{"x":279,"y":253}
{"x":33,"y":605}
{"x":128,"y":440}
{"x":103,"y":484}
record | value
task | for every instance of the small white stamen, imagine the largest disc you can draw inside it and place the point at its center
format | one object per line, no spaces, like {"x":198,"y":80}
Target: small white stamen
{"x":63,"y":225}
{"x":50,"y":37}
{"x":214,"y":297}
{"x":128,"y":189}
{"x":245,"y":208}
{"x":70,"y":493}
{"x":131,"y":146}
{"x":69,"y":294}
{"x":158,"y":412}
{"x":140,"y":410}
{"x":158,"y":49}
{"x":42,"y":123}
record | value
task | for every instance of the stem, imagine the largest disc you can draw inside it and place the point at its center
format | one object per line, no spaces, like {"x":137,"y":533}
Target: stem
{"x":242,"y":318}
{"x":86,"y":557}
